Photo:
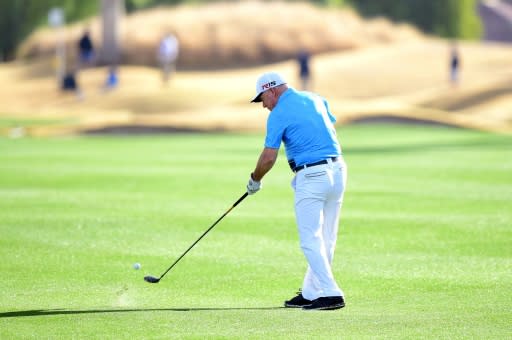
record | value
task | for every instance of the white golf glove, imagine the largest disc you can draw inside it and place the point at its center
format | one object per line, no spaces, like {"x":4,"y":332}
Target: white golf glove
{"x":253,"y":186}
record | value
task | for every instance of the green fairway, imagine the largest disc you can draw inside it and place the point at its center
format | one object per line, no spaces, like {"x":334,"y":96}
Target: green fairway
{"x":425,"y":246}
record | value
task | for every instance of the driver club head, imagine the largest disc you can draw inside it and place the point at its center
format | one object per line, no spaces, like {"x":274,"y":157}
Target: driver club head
{"x":151,"y":279}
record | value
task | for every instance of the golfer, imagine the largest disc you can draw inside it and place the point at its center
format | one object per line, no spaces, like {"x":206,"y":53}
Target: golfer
{"x":304,"y":123}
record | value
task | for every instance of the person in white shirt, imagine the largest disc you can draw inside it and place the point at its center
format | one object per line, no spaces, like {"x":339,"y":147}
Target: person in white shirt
{"x":167,"y":55}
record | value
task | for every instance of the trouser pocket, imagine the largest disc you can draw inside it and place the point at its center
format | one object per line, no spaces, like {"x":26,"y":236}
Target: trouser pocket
{"x":315,"y":174}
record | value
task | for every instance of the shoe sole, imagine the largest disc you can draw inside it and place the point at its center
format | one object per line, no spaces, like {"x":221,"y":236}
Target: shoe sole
{"x":332,"y":307}
{"x":295,"y":306}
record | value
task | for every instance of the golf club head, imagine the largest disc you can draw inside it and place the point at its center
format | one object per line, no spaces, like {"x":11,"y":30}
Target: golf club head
{"x":151,"y":279}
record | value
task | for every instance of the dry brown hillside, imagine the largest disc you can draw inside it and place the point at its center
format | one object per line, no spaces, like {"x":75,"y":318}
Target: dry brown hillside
{"x":231,"y":35}
{"x":404,"y":79}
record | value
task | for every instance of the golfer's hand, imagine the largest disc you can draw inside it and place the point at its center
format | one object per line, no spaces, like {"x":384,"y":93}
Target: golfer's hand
{"x":253,"y":186}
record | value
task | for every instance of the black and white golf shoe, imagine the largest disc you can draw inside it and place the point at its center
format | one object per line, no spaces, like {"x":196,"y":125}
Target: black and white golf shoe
{"x":326,"y":303}
{"x":297,"y":302}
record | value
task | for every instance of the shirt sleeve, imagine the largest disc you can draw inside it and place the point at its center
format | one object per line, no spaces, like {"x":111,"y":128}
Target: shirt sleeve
{"x":275,"y":132}
{"x":331,"y":116}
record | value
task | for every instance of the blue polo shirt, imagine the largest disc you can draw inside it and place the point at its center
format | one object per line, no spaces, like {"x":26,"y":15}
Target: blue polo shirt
{"x":303,"y":122}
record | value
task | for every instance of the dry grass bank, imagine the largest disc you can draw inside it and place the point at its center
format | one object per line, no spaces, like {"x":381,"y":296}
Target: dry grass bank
{"x":229,"y":35}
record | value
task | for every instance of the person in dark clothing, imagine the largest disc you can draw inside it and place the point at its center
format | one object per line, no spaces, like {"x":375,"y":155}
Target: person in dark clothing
{"x":86,"y":48}
{"x":69,"y":82}
{"x":454,"y":65}
{"x":304,"y":71}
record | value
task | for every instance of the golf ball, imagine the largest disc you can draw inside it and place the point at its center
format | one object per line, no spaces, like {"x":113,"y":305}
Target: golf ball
{"x":136,"y":266}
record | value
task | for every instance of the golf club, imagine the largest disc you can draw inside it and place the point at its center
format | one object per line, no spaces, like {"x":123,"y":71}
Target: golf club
{"x":152,"y":279}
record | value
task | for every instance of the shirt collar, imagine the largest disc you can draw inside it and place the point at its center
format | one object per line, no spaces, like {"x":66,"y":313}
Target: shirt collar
{"x":285,"y":94}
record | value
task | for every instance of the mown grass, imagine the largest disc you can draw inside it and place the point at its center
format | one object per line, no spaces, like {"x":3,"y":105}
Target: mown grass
{"x":424,"y":248}
{"x":13,"y":122}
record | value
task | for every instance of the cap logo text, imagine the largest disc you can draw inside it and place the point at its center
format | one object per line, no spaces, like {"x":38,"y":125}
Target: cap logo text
{"x":268,"y":85}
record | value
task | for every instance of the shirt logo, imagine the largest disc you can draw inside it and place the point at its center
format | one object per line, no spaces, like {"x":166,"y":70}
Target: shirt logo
{"x":268,"y":85}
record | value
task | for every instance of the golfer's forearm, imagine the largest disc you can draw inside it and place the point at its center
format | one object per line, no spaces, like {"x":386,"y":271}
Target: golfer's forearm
{"x":265,"y":163}
{"x":261,"y":170}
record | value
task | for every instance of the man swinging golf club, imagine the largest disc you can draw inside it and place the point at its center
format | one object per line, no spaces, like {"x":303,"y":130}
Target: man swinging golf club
{"x":304,"y":123}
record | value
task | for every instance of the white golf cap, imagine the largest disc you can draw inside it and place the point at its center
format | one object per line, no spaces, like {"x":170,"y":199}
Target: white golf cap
{"x":267,"y":81}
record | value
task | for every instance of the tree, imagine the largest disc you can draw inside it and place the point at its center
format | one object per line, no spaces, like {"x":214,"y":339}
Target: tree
{"x":18,"y":18}
{"x":470,"y":25}
{"x":447,"y":18}
{"x":111,"y":11}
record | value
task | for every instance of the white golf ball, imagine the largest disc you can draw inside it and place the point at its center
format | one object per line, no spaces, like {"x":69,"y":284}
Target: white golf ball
{"x":136,"y":266}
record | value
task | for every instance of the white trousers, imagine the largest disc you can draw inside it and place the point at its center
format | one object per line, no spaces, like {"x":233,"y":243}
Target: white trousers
{"x":318,"y":199}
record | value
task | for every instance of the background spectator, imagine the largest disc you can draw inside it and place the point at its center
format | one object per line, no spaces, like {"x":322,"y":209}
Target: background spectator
{"x":167,"y":55}
{"x":304,"y":69}
{"x":86,"y":49}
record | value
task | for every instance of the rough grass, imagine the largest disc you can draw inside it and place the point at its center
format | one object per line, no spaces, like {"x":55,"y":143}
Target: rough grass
{"x":424,"y":248}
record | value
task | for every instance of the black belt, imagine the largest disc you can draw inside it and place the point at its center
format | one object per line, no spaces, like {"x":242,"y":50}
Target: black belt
{"x":324,"y":161}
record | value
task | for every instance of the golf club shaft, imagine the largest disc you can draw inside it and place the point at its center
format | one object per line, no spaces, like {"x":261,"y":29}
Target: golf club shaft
{"x":206,"y":232}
